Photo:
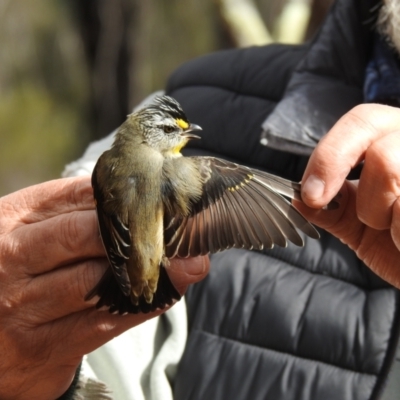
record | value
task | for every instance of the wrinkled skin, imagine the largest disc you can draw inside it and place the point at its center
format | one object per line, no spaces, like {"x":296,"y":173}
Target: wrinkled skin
{"x":50,"y":257}
{"x":368,"y":219}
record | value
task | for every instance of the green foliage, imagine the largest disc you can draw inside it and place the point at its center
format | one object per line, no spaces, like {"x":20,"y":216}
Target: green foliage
{"x":38,"y":136}
{"x":43,"y":89}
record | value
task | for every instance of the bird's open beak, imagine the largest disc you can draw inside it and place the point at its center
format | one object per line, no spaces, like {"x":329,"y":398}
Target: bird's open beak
{"x":192,"y":128}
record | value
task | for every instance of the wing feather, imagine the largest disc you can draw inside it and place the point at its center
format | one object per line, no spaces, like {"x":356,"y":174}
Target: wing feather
{"x":274,"y":210}
{"x":224,"y":231}
{"x":239,"y":207}
{"x":289,"y":211}
{"x":116,"y":239}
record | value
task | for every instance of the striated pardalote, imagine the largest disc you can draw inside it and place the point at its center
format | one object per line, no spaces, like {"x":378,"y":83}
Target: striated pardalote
{"x":154,"y":204}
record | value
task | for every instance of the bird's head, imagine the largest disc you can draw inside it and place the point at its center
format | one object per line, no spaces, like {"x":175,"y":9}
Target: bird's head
{"x":164,"y":126}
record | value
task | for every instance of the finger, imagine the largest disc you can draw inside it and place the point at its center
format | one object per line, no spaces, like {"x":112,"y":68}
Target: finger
{"x":379,"y":185}
{"x":46,"y":200}
{"x":341,"y":222}
{"x":186,"y":271}
{"x":395,"y":227}
{"x":104,"y":326}
{"x":378,"y":251}
{"x":92,"y":328}
{"x":343,"y":148}
{"x":96,"y":327}
{"x":61,"y":292}
{"x":66,"y":288}
{"x":376,"y":248}
{"x":54,"y":242}
{"x":85,"y":331}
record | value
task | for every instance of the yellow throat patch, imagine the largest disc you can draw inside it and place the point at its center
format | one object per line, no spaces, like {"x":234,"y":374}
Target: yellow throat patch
{"x":177,"y":149}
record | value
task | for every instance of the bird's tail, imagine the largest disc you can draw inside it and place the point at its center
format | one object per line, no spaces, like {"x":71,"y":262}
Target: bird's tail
{"x":112,"y":297}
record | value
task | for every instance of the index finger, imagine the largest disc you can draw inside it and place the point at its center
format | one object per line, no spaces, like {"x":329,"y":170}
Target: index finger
{"x":343,"y":148}
{"x":46,"y":200}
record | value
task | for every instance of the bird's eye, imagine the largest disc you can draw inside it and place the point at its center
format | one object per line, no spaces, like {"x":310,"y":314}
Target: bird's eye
{"x":168,"y":128}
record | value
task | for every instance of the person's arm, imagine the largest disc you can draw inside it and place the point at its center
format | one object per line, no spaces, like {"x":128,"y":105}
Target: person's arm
{"x":51,"y":255}
{"x":368,"y":219}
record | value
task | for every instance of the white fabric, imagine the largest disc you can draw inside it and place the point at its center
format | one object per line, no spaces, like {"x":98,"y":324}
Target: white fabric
{"x":141,"y":363}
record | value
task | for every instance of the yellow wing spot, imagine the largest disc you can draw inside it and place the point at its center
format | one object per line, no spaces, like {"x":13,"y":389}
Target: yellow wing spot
{"x":181,"y":123}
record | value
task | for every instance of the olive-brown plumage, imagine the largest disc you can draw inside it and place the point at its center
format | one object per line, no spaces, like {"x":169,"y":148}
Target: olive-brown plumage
{"x":153,"y":204}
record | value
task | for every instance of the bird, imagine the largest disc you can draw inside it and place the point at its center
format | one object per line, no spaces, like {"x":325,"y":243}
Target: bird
{"x":154,"y":204}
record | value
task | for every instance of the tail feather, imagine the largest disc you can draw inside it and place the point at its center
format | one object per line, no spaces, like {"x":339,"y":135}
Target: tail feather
{"x":112,"y":297}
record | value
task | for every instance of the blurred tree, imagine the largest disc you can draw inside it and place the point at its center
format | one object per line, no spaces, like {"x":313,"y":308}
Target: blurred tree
{"x":104,"y":27}
{"x":72,"y":70}
{"x":244,"y":22}
{"x":293,"y":21}
{"x":258,"y":22}
{"x":291,"y":24}
{"x":133,"y":45}
{"x":42,"y":92}
{"x":319,"y":9}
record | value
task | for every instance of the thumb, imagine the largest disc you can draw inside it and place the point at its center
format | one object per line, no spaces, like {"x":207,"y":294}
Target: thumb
{"x":343,"y":148}
{"x":185,"y":271}
{"x":341,"y":222}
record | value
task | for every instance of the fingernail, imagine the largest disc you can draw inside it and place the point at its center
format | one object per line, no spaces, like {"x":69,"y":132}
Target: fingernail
{"x":191,"y":266}
{"x":313,"y":188}
{"x":195,"y":266}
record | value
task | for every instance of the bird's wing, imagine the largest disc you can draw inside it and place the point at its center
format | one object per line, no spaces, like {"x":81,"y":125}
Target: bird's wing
{"x":239,"y":207}
{"x":115,"y":236}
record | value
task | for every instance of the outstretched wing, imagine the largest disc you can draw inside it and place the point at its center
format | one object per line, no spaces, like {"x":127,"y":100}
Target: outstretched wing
{"x":239,"y":207}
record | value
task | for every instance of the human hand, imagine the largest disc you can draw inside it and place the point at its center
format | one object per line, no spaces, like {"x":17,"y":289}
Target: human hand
{"x":368,"y":219}
{"x":51,"y":255}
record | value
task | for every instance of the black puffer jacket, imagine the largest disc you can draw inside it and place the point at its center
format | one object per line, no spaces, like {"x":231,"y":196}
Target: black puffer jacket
{"x":308,"y":323}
